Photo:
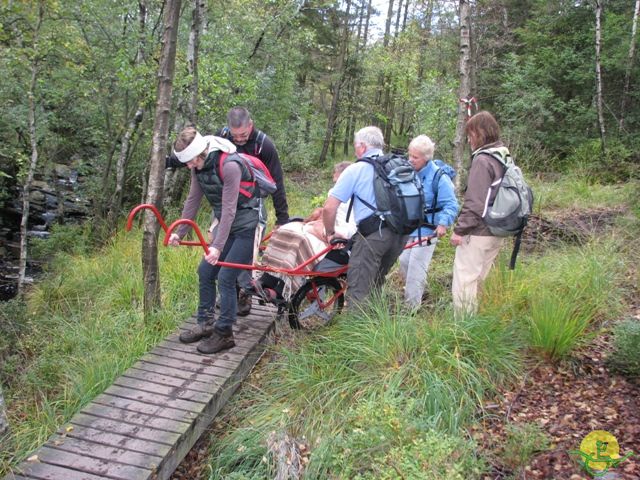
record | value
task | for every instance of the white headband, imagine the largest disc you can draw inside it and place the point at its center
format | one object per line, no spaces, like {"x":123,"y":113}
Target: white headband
{"x":195,"y":148}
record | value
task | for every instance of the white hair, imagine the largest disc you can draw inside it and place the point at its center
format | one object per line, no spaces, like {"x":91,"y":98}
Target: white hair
{"x":424,"y":145}
{"x":371,"y":136}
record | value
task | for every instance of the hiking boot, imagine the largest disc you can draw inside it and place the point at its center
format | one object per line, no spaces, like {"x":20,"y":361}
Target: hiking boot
{"x":244,"y":303}
{"x":216,"y":343}
{"x":200,"y":331}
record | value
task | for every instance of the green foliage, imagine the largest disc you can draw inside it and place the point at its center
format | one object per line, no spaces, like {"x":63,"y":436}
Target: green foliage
{"x":71,"y":239}
{"x":625,"y":355}
{"x":617,"y":165}
{"x":379,"y":441}
{"x":521,"y":442}
{"x":14,"y":323}
{"x":573,"y":191}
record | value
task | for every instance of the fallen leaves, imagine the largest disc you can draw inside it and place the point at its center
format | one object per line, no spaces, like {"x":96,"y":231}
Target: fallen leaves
{"x":568,"y":403}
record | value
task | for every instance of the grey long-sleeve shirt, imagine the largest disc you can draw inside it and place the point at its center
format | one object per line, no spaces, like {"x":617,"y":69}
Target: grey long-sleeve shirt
{"x":232,"y":174}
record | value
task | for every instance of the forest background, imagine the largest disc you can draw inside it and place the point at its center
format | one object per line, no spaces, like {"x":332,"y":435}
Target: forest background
{"x":80,"y":85}
{"x":82,"y":76}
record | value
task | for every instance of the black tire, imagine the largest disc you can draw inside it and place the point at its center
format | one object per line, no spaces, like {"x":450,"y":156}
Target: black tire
{"x":305,"y":312}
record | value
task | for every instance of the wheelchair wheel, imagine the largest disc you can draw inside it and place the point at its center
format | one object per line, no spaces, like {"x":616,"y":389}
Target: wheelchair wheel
{"x":316,"y":303}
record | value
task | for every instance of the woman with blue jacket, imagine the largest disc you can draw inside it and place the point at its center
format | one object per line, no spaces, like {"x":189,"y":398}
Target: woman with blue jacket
{"x":442,"y":209}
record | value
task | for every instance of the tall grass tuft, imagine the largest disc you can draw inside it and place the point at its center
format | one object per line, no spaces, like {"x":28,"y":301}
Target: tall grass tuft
{"x":378,"y":382}
{"x":560,"y":299}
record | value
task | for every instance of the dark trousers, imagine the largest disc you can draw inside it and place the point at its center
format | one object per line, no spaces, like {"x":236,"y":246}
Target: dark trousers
{"x":238,"y":249}
{"x":371,"y":259}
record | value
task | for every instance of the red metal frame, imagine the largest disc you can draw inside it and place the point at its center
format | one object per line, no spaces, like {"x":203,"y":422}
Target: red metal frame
{"x":299,"y":270}
{"x":331,"y":301}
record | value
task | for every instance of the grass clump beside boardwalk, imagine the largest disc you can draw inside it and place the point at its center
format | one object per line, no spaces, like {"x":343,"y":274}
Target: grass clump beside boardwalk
{"x":363,"y":393}
{"x":560,"y":297}
{"x":80,"y":328}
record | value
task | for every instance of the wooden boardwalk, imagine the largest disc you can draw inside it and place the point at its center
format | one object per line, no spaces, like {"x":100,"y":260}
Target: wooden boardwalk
{"x":147,"y":421}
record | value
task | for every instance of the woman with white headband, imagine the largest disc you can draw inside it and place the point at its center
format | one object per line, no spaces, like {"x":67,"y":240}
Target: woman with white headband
{"x":236,"y":204}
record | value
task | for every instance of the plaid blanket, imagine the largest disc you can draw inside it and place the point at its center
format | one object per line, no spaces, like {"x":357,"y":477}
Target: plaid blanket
{"x":289,"y":246}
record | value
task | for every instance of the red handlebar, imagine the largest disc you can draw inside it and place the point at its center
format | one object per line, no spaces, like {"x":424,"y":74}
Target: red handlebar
{"x":195,"y":227}
{"x":155,"y":211}
{"x":420,"y":241}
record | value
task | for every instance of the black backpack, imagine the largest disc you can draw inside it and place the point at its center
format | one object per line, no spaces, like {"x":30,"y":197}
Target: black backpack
{"x":399,"y":196}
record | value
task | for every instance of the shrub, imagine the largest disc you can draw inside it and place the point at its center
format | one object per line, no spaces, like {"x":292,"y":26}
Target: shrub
{"x":625,"y":357}
{"x":619,"y":164}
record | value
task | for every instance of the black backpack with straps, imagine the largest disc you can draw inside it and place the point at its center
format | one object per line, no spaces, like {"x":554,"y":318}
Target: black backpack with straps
{"x":398,"y":193}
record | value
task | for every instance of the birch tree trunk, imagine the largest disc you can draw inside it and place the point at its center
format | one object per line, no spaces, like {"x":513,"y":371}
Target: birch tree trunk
{"x":121,"y":165}
{"x":192,"y":60}
{"x":4,"y":422}
{"x":630,"y":58}
{"x":463,"y":92}
{"x":26,"y":189}
{"x":599,"y":77}
{"x":158,"y":151}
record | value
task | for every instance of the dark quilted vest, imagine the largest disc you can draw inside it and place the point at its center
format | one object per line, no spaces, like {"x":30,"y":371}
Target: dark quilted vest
{"x":211,"y":184}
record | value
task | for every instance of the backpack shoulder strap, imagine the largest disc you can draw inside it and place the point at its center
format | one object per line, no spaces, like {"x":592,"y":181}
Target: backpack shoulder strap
{"x":260,"y":136}
{"x":435,"y":185}
{"x":234,"y":157}
{"x":505,"y":161}
{"x":225,"y":133}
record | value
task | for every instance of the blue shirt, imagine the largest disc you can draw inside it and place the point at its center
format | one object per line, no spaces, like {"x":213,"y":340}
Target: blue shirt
{"x":447,"y":200}
{"x":357,"y":179}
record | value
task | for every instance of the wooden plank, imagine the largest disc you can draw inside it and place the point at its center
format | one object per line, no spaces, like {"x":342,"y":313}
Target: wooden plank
{"x":237,"y":351}
{"x":173,"y":343}
{"x":212,"y":409}
{"x":177,"y":373}
{"x":135,"y":418}
{"x":94,"y":466}
{"x":42,"y":471}
{"x":261,"y":317}
{"x":126,"y":429}
{"x":117,"y":440}
{"x":221,"y":360}
{"x":105,"y":452}
{"x":155,"y":399}
{"x":206,"y":387}
{"x":186,"y":366}
{"x":160,"y":411}
{"x":246,"y":334}
{"x":243,"y":345}
{"x":247,"y":331}
{"x":169,"y":391}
